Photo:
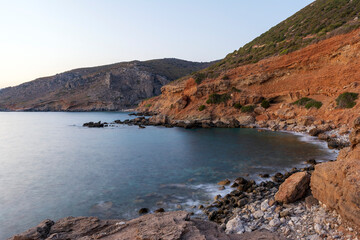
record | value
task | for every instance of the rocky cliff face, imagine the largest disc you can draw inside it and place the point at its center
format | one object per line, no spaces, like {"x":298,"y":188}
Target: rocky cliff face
{"x":337,"y":184}
{"x":111,"y":87}
{"x":320,"y":71}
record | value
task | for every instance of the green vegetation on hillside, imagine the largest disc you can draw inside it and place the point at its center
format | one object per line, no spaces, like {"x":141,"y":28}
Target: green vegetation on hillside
{"x":317,"y":21}
{"x":218,"y":98}
{"x":265,"y":103}
{"x":347,"y":100}
{"x":202,"y":107}
{"x":313,"y":103}
{"x":237,"y":105}
{"x":247,"y":109}
{"x":308,"y":103}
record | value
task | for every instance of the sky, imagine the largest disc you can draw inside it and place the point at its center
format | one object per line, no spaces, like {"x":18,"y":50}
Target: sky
{"x":43,"y":37}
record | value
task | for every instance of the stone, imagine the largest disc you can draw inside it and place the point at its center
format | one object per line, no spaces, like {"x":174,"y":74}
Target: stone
{"x":224,"y":182}
{"x":311,"y":201}
{"x":258,"y":214}
{"x":235,"y":226}
{"x":274,"y":222}
{"x":311,"y":161}
{"x":160,"y":210}
{"x":264,"y":205}
{"x":293,"y":188}
{"x":318,"y":229}
{"x":246,"y":120}
{"x":314,"y":132}
{"x":323,"y":136}
{"x":143,"y":210}
{"x":217,"y":197}
{"x":284,"y":213}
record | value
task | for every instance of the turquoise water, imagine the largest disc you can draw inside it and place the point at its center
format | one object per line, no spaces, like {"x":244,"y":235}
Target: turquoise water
{"x":52,"y":167}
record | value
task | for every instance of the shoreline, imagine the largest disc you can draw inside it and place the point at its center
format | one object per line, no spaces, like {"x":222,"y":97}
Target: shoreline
{"x":254,"y":203}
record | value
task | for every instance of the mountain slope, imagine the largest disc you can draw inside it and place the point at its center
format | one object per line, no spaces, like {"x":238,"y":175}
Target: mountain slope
{"x":320,"y":20}
{"x":111,"y":87}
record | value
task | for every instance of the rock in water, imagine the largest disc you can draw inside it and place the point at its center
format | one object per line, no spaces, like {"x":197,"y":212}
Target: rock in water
{"x":224,"y":182}
{"x":293,"y":188}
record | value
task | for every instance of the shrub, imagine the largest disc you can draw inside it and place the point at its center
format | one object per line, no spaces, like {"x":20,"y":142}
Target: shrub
{"x":199,"y":77}
{"x":237,"y":105}
{"x":148,"y":105}
{"x":201,"y":108}
{"x":247,"y":109}
{"x":225,"y":77}
{"x":218,"y":98}
{"x":234,"y":89}
{"x":265,"y":103}
{"x":302,"y":102}
{"x":313,"y":103}
{"x":347,"y":100}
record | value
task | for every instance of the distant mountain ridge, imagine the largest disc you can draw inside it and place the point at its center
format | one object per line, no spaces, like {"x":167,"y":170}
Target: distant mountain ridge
{"x":104,"y":88}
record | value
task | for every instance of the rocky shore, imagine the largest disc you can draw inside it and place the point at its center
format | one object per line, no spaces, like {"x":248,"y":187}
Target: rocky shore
{"x":284,"y":208}
{"x":336,"y":136}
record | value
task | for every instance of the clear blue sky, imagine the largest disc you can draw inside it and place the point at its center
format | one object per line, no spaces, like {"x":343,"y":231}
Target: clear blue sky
{"x":44,"y":37}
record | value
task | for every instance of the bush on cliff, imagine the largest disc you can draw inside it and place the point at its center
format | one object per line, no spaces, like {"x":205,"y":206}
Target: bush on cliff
{"x":225,"y":77}
{"x":199,"y":77}
{"x":247,"y":109}
{"x":302,"y":101}
{"x":237,"y":105}
{"x":201,"y":108}
{"x":218,"y":98}
{"x":308,"y":103}
{"x":313,"y":103}
{"x":347,"y":100}
{"x":265,"y":103}
{"x":234,"y":89}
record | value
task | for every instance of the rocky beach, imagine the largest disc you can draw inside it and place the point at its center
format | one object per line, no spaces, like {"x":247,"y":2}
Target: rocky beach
{"x":282,"y":206}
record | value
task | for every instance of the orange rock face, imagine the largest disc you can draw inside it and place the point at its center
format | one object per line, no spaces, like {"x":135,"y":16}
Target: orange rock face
{"x":337,"y":184}
{"x":293,"y":188}
{"x":320,"y":71}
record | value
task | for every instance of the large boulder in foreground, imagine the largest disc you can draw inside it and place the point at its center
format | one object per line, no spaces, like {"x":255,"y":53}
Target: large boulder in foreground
{"x":293,"y":188}
{"x":337,"y":184}
{"x":165,"y":226}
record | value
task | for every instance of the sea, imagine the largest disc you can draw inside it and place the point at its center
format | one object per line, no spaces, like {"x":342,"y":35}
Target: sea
{"x":52,"y":167}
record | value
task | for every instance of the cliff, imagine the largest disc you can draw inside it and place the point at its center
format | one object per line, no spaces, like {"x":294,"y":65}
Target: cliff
{"x":111,"y":87}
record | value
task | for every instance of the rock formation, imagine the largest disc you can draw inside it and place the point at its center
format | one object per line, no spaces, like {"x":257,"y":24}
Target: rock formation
{"x":337,"y":184}
{"x":165,"y":226}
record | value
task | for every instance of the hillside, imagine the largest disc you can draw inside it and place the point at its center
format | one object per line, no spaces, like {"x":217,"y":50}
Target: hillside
{"x":318,"y":21}
{"x":111,"y":87}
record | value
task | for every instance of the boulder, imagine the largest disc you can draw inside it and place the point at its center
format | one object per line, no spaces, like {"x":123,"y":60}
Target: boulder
{"x":158,"y":120}
{"x":293,"y":188}
{"x":337,"y":184}
{"x":246,"y":120}
{"x":224,"y":182}
{"x":314,"y":131}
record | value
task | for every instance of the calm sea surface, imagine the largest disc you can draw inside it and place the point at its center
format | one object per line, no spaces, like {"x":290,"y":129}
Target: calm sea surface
{"x":52,"y":167}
